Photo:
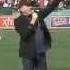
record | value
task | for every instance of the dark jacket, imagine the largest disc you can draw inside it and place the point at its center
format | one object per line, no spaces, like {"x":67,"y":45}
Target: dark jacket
{"x":27,"y":32}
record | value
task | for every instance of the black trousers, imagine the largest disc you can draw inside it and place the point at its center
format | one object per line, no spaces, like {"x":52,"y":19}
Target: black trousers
{"x":36,"y":63}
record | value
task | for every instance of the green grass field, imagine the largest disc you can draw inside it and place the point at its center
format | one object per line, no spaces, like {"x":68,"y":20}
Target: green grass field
{"x":58,"y":57}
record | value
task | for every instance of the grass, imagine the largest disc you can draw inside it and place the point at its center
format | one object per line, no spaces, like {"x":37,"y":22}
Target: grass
{"x":9,"y":51}
{"x":58,"y":57}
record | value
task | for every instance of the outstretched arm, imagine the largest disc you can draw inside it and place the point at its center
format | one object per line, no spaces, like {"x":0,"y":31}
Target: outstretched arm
{"x":52,"y":4}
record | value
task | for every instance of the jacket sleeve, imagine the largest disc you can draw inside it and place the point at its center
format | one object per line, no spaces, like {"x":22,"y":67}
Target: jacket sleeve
{"x":52,"y":4}
{"x":24,"y":31}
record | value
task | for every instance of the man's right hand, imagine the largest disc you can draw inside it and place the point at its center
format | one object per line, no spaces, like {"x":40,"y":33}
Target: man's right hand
{"x":34,"y":18}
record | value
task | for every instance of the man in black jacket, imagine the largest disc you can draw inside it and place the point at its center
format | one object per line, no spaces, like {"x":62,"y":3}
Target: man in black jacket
{"x":35,"y":38}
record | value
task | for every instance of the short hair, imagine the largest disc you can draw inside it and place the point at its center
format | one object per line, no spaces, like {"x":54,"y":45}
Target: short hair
{"x":24,"y":2}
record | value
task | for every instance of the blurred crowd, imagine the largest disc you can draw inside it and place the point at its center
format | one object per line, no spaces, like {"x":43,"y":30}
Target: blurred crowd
{"x":14,"y":3}
{"x":64,"y":4}
{"x":9,"y":3}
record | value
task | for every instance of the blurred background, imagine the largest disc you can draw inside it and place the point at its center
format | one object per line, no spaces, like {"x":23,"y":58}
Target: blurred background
{"x":58,"y":23}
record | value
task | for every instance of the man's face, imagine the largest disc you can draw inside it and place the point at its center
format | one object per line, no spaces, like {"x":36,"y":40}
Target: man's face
{"x":27,"y":10}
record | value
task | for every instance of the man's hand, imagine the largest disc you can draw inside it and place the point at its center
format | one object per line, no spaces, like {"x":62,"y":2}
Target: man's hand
{"x":34,"y":18}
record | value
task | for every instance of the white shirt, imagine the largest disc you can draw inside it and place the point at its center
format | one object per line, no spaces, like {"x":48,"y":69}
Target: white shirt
{"x":5,"y":5}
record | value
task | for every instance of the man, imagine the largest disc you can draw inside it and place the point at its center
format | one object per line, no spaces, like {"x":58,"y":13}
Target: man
{"x":35,"y":38}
